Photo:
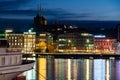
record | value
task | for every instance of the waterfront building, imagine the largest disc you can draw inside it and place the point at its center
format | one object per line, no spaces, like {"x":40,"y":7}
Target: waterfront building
{"x":75,"y":42}
{"x":29,"y":41}
{"x":15,"y":40}
{"x":43,"y":41}
{"x":105,"y":45}
{"x":45,"y":37}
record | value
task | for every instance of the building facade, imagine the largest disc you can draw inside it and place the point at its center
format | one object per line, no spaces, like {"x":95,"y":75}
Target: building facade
{"x":15,"y":41}
{"x":75,"y":42}
{"x":105,"y":45}
{"x":43,"y":41}
{"x":29,"y":42}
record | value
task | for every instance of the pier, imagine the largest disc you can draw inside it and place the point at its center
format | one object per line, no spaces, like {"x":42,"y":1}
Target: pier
{"x":78,"y":55}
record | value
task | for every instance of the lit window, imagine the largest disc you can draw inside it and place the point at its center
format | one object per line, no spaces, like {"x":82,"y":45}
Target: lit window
{"x":87,"y":40}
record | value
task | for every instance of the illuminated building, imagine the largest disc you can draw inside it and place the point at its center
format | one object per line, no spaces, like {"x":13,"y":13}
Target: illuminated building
{"x":75,"y":42}
{"x":105,"y":45}
{"x":29,"y":41}
{"x":43,"y":41}
{"x":15,"y":40}
{"x":45,"y":37}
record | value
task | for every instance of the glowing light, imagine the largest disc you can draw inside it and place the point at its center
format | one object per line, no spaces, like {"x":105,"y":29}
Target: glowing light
{"x":69,"y":69}
{"x":107,"y":40}
{"x":99,"y":71}
{"x":99,"y":36}
{"x":87,"y":69}
{"x":69,"y":41}
{"x":9,"y":30}
{"x":41,"y":67}
{"x":107,"y":70}
{"x":86,"y":34}
{"x":87,"y":40}
{"x":2,"y":35}
{"x":42,"y":34}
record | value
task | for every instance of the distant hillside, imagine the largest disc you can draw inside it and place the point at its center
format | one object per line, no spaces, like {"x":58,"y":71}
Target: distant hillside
{"x":24,"y":25}
{"x":91,"y":24}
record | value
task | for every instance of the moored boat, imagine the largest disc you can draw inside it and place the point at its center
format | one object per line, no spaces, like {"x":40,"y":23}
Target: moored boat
{"x":11,"y":63}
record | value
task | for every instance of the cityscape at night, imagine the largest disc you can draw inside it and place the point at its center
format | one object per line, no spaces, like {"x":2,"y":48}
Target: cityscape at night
{"x":59,"y":40}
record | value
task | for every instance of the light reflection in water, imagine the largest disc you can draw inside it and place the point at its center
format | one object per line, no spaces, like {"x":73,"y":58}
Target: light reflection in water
{"x":118,"y":69}
{"x":31,"y":74}
{"x":87,"y":69}
{"x":99,"y":69}
{"x":69,"y":69}
{"x":41,"y":69}
{"x":107,"y":69}
{"x":75,"y":69}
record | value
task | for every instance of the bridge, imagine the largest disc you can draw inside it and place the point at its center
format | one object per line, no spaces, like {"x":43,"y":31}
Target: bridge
{"x":78,"y":55}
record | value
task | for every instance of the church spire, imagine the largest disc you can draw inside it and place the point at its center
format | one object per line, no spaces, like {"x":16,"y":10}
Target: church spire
{"x":41,"y":9}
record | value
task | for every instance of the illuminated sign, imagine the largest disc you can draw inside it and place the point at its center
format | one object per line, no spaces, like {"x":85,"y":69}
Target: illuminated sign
{"x":86,"y":34}
{"x":2,"y":35}
{"x":99,"y":36}
{"x":9,"y":30}
{"x":29,"y":32}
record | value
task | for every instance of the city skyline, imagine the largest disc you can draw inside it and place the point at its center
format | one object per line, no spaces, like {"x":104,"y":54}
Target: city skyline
{"x":21,"y":13}
{"x":61,"y":9}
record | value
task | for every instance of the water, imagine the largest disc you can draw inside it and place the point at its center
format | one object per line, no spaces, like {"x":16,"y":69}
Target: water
{"x":74,"y":69}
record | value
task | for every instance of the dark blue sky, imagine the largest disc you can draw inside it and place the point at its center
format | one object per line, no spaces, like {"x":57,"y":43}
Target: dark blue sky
{"x":61,"y":9}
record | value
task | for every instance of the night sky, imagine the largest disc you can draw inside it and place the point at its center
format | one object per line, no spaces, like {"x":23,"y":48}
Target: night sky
{"x":61,"y":9}
{"x":98,"y":10}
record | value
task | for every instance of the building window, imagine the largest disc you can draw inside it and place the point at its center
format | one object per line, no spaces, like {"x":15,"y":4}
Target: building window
{"x":3,"y":61}
{"x":15,"y":59}
{"x":10,"y":60}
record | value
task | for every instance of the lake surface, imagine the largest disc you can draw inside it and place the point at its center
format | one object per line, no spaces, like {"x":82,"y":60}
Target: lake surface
{"x":74,"y":69}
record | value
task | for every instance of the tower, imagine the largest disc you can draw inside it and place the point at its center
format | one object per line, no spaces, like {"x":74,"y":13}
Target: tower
{"x":39,"y":21}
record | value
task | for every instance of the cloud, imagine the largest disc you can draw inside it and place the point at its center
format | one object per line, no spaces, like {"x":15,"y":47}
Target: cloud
{"x":55,"y":14}
{"x":18,"y":14}
{"x":60,"y":14}
{"x":12,"y":4}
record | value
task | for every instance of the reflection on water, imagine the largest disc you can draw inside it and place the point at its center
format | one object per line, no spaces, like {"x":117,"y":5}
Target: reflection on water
{"x":31,"y":74}
{"x":75,"y":69}
{"x":99,"y":69}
